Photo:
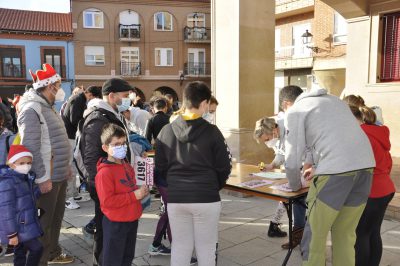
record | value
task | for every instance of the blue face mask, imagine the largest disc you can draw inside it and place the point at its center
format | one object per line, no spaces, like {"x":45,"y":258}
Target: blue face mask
{"x":119,"y":152}
{"x":125,"y":104}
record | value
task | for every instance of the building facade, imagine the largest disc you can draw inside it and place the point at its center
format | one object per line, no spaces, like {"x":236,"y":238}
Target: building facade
{"x":322,"y":55}
{"x":157,"y":45}
{"x":27,"y":40}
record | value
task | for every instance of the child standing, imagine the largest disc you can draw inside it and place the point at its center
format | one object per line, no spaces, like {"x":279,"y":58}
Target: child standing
{"x":119,"y":198}
{"x":158,"y":121}
{"x":369,"y":243}
{"x":19,"y":221}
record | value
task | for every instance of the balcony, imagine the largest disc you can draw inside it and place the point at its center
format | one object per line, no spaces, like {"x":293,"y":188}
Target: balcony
{"x":131,"y":69}
{"x":197,"y":35}
{"x":285,"y":8}
{"x":129,"y":33}
{"x":12,"y":70}
{"x":197,"y":69}
{"x":291,"y":57}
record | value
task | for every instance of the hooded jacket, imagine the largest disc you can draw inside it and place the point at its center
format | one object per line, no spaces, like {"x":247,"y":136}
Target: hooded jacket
{"x":42,"y":132}
{"x":115,"y":186}
{"x":98,"y":114}
{"x":326,"y":125}
{"x":19,"y":216}
{"x":382,"y":184}
{"x":194,"y":158}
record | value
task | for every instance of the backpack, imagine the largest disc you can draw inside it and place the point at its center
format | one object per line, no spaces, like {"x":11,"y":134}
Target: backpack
{"x":6,"y":140}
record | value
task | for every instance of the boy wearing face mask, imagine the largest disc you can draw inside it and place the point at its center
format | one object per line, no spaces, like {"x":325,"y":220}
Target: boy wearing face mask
{"x":119,"y":198}
{"x":19,"y":222}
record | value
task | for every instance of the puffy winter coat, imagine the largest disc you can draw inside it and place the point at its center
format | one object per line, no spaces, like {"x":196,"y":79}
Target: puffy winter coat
{"x":43,"y":132}
{"x":19,"y":215}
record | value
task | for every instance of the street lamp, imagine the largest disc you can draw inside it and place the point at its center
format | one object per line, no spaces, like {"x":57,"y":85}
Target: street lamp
{"x":307,"y":40}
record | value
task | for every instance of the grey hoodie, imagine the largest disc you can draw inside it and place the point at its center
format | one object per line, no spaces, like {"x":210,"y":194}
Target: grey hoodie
{"x":325,"y":124}
{"x":43,"y":132}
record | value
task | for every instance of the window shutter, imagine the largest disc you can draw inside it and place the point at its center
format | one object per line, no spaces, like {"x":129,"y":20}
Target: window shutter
{"x":390,"y":68}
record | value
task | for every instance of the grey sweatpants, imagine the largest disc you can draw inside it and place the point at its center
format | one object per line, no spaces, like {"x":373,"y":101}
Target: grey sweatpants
{"x":53,"y":205}
{"x":194,"y":225}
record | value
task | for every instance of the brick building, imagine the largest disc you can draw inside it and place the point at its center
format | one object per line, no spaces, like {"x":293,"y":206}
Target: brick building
{"x":27,"y":40}
{"x":152,"y":44}
{"x":324,"y":55}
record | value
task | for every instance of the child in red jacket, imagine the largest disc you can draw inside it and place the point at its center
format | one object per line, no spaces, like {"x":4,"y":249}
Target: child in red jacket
{"x":119,"y":198}
{"x":369,"y":243}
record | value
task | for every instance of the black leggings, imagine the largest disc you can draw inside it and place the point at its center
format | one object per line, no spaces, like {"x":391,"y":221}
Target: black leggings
{"x":369,"y":243}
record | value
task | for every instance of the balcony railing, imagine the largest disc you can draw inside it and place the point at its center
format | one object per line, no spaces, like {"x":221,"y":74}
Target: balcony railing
{"x":129,"y":32}
{"x":131,"y":69}
{"x":12,"y":70}
{"x":293,"y":57}
{"x":197,"y":34}
{"x":197,"y":69}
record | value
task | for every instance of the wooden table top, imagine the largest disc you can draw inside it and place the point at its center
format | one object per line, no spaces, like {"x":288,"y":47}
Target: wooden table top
{"x":242,"y":173}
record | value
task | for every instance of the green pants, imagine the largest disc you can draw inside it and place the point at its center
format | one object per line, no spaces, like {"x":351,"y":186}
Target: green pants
{"x":335,"y":203}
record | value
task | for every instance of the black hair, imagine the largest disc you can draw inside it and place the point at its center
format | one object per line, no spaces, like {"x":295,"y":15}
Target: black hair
{"x":289,"y":93}
{"x":160,"y":103}
{"x":95,"y":91}
{"x":194,"y":93}
{"x":110,"y":131}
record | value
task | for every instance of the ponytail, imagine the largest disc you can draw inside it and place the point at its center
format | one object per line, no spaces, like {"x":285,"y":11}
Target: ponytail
{"x":369,"y":116}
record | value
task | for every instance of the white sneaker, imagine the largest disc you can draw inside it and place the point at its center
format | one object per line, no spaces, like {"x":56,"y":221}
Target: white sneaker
{"x":71,"y":204}
{"x":82,"y":197}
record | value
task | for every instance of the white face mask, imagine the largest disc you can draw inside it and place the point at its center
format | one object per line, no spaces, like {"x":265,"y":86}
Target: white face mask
{"x":132,"y":96}
{"x":60,"y":95}
{"x":271,"y":143}
{"x":125,"y":104}
{"x":23,"y":168}
{"x":209,"y":117}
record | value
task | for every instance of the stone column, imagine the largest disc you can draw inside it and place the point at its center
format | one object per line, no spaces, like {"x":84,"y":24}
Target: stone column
{"x":243,"y":72}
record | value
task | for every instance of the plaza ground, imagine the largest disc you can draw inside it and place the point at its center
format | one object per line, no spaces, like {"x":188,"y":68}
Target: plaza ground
{"x":242,"y":236}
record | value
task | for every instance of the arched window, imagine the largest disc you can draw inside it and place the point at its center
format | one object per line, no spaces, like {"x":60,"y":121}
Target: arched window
{"x":163,"y":21}
{"x":93,"y":18}
{"x":129,"y":26}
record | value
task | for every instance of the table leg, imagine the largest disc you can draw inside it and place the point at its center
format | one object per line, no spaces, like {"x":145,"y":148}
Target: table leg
{"x":288,"y":207}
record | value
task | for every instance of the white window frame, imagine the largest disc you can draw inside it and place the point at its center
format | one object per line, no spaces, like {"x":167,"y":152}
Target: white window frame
{"x":93,"y":12}
{"x":164,"y":50}
{"x":99,"y":53}
{"x":341,"y":32}
{"x":163,"y":25}
{"x":277,"y":41}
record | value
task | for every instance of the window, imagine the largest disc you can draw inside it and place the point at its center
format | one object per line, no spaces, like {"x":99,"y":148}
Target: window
{"x":11,"y":62}
{"x":196,"y":20}
{"x":299,"y":48}
{"x":390,"y":68}
{"x":340,"y":29}
{"x":94,"y":56}
{"x":54,"y":58}
{"x":163,"y":21}
{"x":164,"y":56}
{"x":93,"y":18}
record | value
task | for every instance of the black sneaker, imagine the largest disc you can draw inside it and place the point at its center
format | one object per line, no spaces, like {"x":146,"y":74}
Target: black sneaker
{"x":90,"y":227}
{"x":275,"y":231}
{"x":9,"y":251}
{"x":193,"y":261}
{"x":160,"y":250}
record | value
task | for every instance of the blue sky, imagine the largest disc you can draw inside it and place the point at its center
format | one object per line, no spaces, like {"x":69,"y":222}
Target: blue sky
{"x":61,"y":6}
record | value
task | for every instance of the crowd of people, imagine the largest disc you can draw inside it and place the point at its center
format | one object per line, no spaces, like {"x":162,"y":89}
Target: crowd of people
{"x":51,"y":161}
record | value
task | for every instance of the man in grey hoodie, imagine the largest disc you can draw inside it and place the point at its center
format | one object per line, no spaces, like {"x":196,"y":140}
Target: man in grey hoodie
{"x":340,"y":177}
{"x":42,"y":131}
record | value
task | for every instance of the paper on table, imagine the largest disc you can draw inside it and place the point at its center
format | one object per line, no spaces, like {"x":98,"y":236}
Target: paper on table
{"x":256,"y":183}
{"x":283,"y":187}
{"x":270,"y":175}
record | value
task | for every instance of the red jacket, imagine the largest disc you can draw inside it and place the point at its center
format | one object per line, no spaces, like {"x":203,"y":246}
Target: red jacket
{"x":382,"y":184}
{"x":115,"y":185}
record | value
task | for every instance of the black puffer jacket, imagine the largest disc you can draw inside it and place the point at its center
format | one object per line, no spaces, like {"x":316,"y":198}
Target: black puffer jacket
{"x":194,"y":158}
{"x":73,"y":113}
{"x":91,"y":150}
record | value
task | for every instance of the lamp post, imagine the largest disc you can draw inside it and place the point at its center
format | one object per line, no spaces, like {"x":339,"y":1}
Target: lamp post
{"x":307,"y":40}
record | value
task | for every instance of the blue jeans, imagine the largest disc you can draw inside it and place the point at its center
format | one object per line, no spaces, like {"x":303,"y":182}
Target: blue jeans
{"x":299,"y":213}
{"x":35,"y":249}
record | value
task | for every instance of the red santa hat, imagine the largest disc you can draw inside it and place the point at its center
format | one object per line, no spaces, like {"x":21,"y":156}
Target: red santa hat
{"x":44,"y":77}
{"x":18,"y":151}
